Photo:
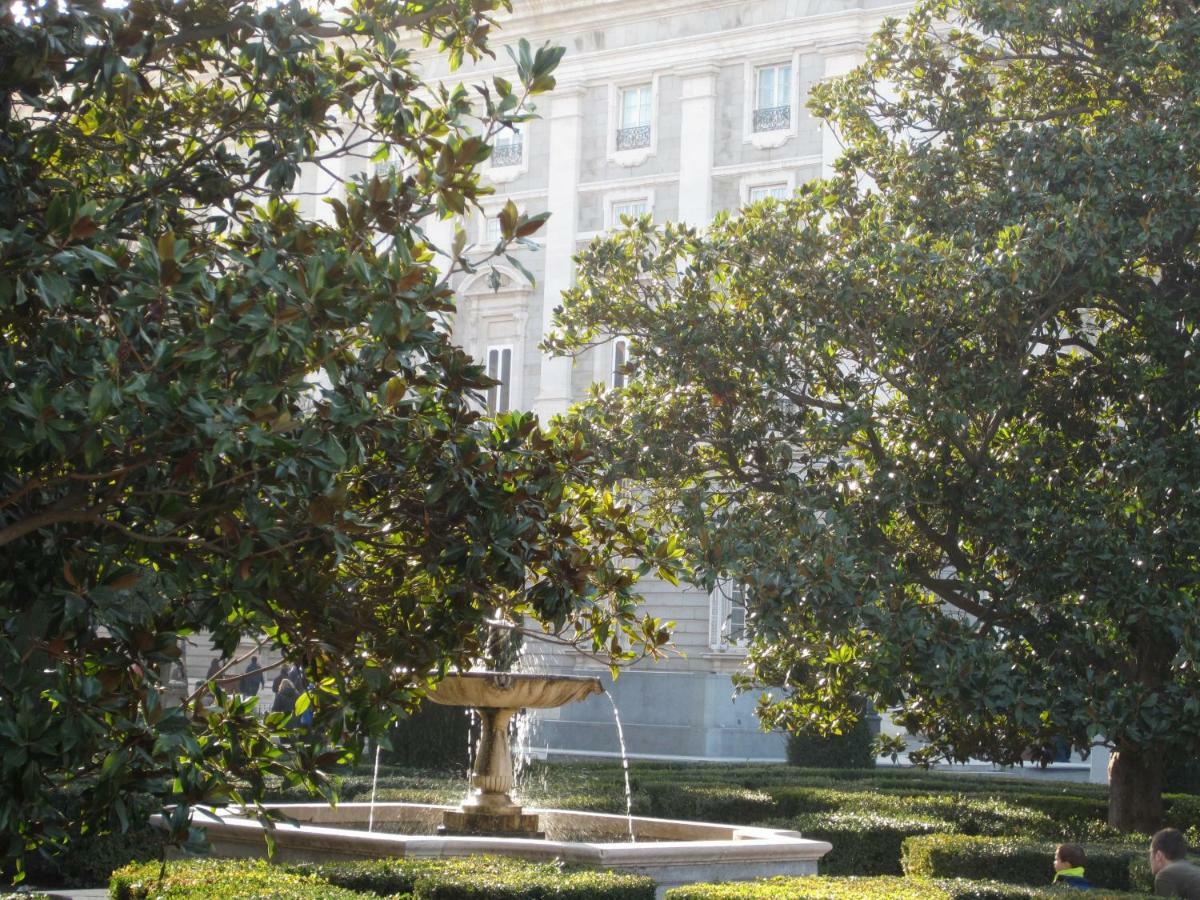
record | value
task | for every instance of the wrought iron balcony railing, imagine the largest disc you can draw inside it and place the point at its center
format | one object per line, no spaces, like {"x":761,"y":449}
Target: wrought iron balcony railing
{"x":772,"y":118}
{"x":507,"y":154}
{"x":633,"y":138}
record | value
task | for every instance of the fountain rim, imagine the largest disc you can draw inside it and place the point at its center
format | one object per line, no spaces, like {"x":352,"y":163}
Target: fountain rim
{"x":521,"y":676}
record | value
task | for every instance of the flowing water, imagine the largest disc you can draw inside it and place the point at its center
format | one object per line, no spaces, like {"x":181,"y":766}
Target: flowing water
{"x":624,"y":767}
{"x":522,"y":727}
{"x":374,"y":786}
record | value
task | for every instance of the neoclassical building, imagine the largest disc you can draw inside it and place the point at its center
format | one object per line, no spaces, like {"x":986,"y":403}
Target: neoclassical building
{"x":679,"y":109}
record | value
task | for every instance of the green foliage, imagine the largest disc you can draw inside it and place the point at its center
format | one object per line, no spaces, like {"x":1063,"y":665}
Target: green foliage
{"x":433,"y":737}
{"x":461,"y":878}
{"x":1182,"y":776}
{"x":219,"y":880}
{"x":938,"y":413}
{"x":223,"y":413}
{"x":890,"y":745}
{"x":1012,"y":861}
{"x":864,"y":843}
{"x":823,"y":888}
{"x":714,"y":803}
{"x":855,"y":749}
{"x":90,"y":859}
{"x":481,"y":878}
{"x":1182,"y":811}
{"x":92,"y":855}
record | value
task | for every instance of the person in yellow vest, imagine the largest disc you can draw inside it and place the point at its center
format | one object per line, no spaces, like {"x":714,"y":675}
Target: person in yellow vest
{"x":1069,"y":860}
{"x":1174,"y":876}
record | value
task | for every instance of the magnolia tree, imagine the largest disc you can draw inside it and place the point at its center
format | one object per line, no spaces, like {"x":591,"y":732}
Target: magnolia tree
{"x":940,"y":412}
{"x":221,"y":414}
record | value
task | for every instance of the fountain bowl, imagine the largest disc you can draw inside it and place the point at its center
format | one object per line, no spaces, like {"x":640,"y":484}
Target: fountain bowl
{"x":671,"y":852}
{"x":513,"y":690}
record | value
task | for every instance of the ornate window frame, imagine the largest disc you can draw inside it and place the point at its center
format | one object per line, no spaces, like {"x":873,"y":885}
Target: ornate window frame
{"x":637,"y":155}
{"x":767,"y":140}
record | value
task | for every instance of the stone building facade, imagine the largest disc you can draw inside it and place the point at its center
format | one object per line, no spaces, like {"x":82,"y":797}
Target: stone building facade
{"x":678,"y":109}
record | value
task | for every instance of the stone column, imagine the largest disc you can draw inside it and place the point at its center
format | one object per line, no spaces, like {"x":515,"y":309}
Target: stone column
{"x":566,"y":117}
{"x":696,"y":117}
{"x":839,"y":60}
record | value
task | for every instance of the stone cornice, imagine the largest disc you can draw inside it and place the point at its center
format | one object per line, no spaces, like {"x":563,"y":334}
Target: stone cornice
{"x":558,"y":20}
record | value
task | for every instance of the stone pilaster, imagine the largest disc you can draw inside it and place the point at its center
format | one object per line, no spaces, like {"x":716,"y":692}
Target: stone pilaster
{"x":839,"y":60}
{"x":566,"y":117}
{"x":697,"y":112}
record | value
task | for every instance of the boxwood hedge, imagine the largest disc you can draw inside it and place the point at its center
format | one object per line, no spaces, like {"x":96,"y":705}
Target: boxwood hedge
{"x":464,"y":878}
{"x":878,"y":888}
{"x":479,"y":877}
{"x":220,"y":879}
{"x":1011,"y":861}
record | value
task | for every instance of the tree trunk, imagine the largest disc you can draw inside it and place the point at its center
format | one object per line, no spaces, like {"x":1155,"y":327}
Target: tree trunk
{"x":1135,"y":791}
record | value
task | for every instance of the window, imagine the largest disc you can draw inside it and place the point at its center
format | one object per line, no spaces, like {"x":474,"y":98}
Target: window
{"x":763,"y":191}
{"x":499,"y":369}
{"x":630,"y":208}
{"x":773,"y":97}
{"x":727,"y":615}
{"x":491,"y":229}
{"x":633,"y":132}
{"x":620,"y":358}
{"x":507,"y":147}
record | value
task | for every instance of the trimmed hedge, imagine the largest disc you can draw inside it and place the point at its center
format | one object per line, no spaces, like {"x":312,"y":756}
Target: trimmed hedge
{"x":1010,"y":861}
{"x":966,"y":814}
{"x":863,"y":843}
{"x":434,"y":737}
{"x":463,"y":878}
{"x":1182,"y":811}
{"x":710,"y":803}
{"x":221,"y":879}
{"x":853,"y":750}
{"x":479,"y":878}
{"x":822,"y":888}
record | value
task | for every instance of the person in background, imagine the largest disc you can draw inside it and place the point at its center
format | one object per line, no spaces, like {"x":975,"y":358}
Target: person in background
{"x":285,"y":697}
{"x":252,"y":679}
{"x":1174,"y":876}
{"x":1069,"y":860}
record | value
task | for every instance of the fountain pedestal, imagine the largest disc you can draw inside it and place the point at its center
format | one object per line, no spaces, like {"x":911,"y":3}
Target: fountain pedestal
{"x":497,"y":696}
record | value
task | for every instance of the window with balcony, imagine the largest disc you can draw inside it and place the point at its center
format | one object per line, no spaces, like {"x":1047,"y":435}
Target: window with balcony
{"x":633,"y":130}
{"x":759,"y":192}
{"x":773,"y":97}
{"x":499,"y":369}
{"x":508,"y":147}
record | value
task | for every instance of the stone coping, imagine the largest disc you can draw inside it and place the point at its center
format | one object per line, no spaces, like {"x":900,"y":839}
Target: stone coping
{"x":674,"y":852}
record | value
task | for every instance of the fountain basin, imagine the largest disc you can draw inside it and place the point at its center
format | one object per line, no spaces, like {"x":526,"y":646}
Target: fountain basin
{"x":669,"y":851}
{"x":513,"y":690}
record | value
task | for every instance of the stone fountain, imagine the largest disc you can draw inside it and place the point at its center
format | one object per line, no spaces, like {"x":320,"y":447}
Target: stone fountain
{"x":497,"y":697}
{"x":490,"y":822}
